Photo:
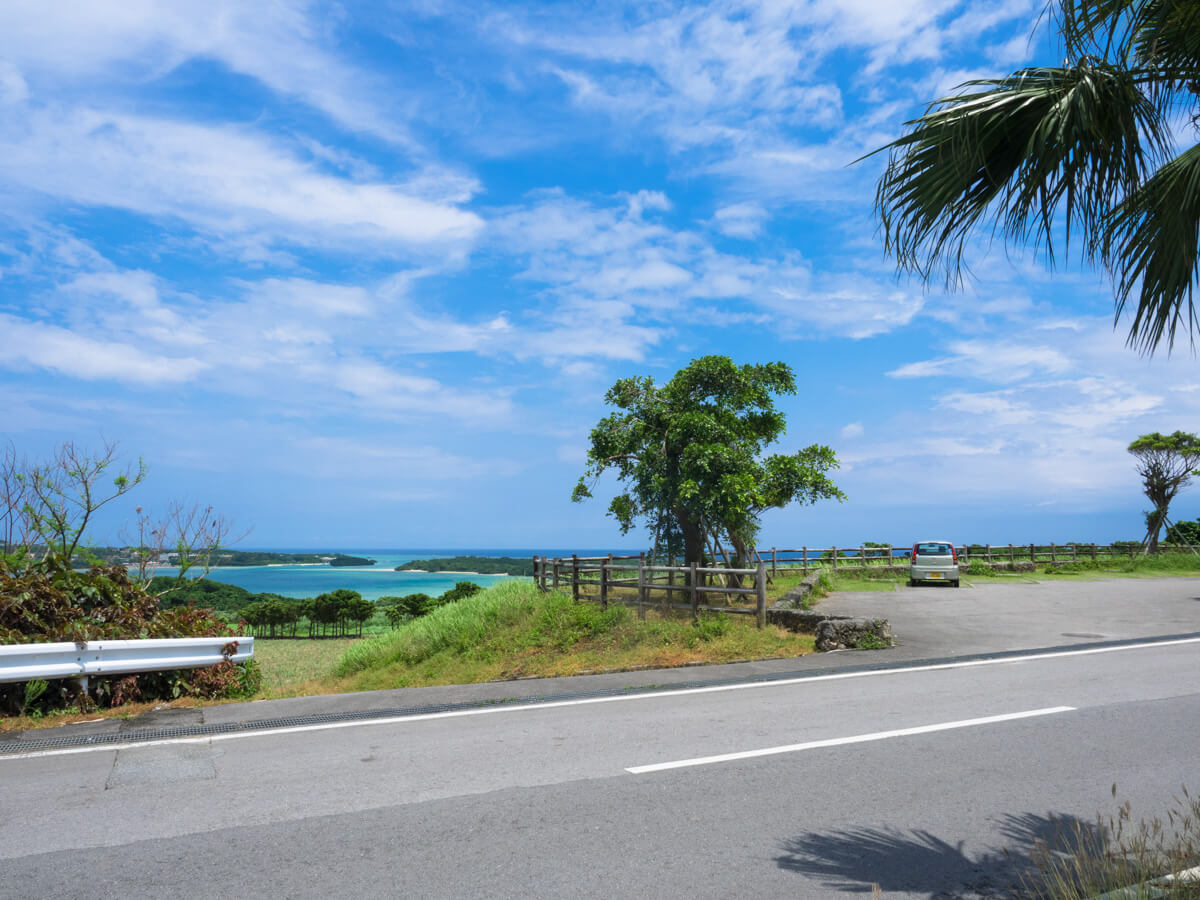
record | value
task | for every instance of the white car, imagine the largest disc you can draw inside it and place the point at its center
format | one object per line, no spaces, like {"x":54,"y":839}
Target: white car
{"x":933,"y":561}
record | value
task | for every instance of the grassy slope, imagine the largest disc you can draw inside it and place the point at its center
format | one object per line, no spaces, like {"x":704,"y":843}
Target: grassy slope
{"x":512,"y":630}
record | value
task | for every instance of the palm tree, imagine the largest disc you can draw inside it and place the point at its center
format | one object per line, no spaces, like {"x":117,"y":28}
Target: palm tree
{"x":1079,"y":152}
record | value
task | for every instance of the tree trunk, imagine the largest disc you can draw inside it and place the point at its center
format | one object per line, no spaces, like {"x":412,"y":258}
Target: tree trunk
{"x":741,"y":554}
{"x":693,"y":539}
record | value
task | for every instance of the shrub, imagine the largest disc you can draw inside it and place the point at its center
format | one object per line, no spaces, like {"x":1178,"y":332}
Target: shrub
{"x":49,"y":602}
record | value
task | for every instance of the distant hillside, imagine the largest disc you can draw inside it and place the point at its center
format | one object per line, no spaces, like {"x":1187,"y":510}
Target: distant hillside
{"x":342,"y":560}
{"x":226,"y":598}
{"x":483,"y":565}
{"x":127,"y":556}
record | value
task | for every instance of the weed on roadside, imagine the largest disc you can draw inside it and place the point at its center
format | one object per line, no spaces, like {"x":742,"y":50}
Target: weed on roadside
{"x":1119,"y":855}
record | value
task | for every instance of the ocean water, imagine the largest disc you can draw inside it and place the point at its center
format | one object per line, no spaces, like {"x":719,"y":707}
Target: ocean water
{"x":372,"y":582}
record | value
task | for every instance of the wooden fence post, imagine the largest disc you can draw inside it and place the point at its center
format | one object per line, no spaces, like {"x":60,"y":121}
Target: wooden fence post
{"x":835,"y":556}
{"x":557,"y":564}
{"x":1032,"y":554}
{"x":604,"y":583}
{"x":862,"y":556}
{"x":1093,"y":552}
{"x":760,"y":585}
{"x":695,"y":595}
{"x":575,"y":577}
{"x":804,"y":560}
{"x":989,"y":553}
{"x":641,"y":586}
{"x":1053,"y":558}
{"x":535,"y":570}
{"x":774,"y":560}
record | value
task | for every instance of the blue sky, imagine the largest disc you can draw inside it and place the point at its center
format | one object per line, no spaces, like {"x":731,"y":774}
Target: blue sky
{"x":360,"y":274}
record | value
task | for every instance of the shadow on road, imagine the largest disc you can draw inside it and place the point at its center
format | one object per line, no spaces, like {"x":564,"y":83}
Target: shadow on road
{"x":918,"y":862}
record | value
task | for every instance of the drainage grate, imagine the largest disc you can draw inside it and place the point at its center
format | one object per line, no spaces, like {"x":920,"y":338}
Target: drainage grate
{"x":27,"y":744}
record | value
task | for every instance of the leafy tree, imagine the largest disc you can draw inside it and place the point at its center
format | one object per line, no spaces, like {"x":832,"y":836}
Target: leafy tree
{"x":1082,"y":150}
{"x":460,"y":590}
{"x":359,"y":611}
{"x":690,"y":453}
{"x":1184,"y":533}
{"x":49,"y":505}
{"x":1166,"y":463}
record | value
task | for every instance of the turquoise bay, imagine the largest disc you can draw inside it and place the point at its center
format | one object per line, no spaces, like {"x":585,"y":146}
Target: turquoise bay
{"x":373,"y":582}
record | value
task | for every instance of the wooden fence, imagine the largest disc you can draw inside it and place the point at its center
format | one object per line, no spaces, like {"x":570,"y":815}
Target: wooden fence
{"x":604,"y":573}
{"x":802,"y":559}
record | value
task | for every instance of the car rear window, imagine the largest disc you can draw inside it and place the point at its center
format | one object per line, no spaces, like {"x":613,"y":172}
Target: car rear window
{"x":933,"y":549}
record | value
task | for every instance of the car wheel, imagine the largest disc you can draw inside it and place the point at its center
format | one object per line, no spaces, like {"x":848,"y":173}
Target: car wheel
{"x":956,"y":584}
{"x":912,"y":582}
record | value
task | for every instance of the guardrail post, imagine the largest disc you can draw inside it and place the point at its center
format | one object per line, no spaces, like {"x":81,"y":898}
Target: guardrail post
{"x":641,"y":586}
{"x":760,"y":585}
{"x":695,"y":595}
{"x":604,"y":583}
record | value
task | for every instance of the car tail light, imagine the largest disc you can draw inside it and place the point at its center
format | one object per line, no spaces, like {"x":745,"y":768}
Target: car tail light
{"x":914,"y":553}
{"x":954,"y":554}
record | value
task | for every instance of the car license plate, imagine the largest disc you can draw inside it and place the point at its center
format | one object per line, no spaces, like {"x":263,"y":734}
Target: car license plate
{"x":934,"y":575}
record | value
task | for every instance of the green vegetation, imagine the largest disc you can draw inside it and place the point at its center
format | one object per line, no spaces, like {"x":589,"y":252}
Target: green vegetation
{"x":1166,"y":463}
{"x":477,"y":565}
{"x":1081,"y":150}
{"x":225,"y":557}
{"x":200,"y":592}
{"x":512,"y":630}
{"x":690,"y":455}
{"x":1185,"y":533}
{"x":47,"y":601}
{"x":342,"y":560}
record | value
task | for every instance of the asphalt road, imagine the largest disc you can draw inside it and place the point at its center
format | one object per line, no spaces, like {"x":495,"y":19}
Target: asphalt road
{"x":918,"y":779}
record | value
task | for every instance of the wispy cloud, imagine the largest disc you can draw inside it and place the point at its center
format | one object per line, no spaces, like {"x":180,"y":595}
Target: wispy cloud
{"x":230,"y":183}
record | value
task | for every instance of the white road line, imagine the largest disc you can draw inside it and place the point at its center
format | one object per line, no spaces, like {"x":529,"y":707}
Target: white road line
{"x":842,"y":741}
{"x":615,"y":698}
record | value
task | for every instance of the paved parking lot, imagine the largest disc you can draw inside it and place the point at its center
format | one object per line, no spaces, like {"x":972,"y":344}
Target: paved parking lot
{"x":937,"y":620}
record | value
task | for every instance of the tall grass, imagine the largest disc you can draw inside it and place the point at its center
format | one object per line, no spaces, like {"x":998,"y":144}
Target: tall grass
{"x":513,"y":630}
{"x":1121,"y":856}
{"x":458,"y":627}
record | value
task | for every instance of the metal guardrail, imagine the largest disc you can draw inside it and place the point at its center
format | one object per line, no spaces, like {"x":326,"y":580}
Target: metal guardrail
{"x":25,"y":662}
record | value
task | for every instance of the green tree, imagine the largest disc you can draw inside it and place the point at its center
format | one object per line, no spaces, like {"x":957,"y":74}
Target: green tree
{"x":1184,"y":533}
{"x":1082,"y":151}
{"x":1166,"y":463}
{"x":49,"y":505}
{"x":690,"y":453}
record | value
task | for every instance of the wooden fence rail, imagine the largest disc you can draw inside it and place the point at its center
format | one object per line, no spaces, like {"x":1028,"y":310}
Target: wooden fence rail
{"x":647,"y":576}
{"x":614,"y":572}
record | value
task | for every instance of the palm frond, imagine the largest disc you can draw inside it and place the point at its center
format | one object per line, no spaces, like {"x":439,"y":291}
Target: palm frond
{"x":1030,"y":147}
{"x":1151,"y":243}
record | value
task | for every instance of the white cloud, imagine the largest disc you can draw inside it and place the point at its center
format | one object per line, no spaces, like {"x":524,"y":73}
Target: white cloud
{"x":276,"y":42}
{"x":608,"y":264}
{"x":35,"y":345}
{"x":996,"y":361}
{"x":853,"y":430}
{"x":230,"y":183}
{"x":740,"y":220}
